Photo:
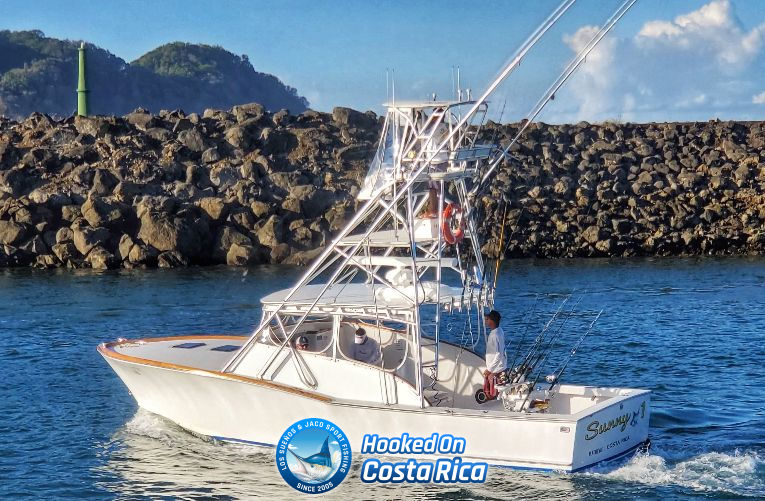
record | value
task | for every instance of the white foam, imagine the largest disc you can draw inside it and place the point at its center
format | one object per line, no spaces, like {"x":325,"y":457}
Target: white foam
{"x":735,"y":473}
{"x":145,"y":424}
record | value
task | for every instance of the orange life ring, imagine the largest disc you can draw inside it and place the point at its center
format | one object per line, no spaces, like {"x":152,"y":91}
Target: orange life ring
{"x":453,"y":236}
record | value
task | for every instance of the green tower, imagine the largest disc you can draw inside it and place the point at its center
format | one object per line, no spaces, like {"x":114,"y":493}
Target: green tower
{"x":82,"y":88}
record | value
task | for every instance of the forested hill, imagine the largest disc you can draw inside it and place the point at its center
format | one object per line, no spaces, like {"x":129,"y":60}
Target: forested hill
{"x":38,"y":73}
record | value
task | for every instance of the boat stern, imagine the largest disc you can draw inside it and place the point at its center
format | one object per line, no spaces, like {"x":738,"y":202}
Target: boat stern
{"x":614,"y":427}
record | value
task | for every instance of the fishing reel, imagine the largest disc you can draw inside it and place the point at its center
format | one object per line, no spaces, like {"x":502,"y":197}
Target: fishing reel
{"x":481,"y":397}
{"x":512,"y":376}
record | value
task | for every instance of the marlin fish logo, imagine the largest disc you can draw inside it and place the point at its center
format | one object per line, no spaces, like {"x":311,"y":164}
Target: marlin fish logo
{"x":315,"y":468}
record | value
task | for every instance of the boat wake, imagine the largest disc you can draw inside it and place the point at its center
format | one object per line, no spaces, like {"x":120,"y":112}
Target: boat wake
{"x":145,"y":424}
{"x":149,"y":425}
{"x":740,"y":473}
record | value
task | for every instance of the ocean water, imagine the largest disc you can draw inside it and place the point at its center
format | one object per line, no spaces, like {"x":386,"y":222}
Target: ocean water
{"x":691,"y":330}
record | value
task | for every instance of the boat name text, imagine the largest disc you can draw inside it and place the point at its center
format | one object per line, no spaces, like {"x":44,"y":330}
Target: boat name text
{"x":621,"y":422}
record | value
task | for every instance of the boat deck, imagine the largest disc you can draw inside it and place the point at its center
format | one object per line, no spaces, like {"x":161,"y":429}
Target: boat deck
{"x":205,"y":352}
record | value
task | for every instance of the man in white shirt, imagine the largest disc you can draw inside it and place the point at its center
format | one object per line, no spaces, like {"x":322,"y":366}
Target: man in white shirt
{"x":496,"y":360}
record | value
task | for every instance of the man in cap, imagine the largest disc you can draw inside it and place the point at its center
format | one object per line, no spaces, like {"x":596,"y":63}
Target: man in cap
{"x":496,"y":360}
{"x":302,"y":343}
{"x":365,"y":349}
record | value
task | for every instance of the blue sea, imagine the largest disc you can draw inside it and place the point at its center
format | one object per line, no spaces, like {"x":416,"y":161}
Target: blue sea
{"x":691,"y":330}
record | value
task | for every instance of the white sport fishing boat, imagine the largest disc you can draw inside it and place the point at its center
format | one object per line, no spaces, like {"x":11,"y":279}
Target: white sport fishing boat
{"x":389,"y":271}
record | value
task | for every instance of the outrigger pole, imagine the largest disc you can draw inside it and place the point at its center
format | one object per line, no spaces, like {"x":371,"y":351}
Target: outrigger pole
{"x":548,"y":96}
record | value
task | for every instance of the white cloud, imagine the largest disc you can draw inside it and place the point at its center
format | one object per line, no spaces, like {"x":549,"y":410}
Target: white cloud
{"x":688,"y":68}
{"x":595,"y":75}
{"x":713,"y":31}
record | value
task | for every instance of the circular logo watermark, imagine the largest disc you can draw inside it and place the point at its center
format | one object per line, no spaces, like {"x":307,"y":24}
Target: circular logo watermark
{"x":313,"y":455}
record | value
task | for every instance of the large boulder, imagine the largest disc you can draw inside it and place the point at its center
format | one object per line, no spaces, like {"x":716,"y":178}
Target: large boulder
{"x":216,"y":208}
{"x":238,"y":137}
{"x":64,"y":235}
{"x":103,"y":183}
{"x":192,"y":139}
{"x":18,"y":181}
{"x":276,"y":142}
{"x":101,"y":259}
{"x":227,"y":237}
{"x":271,"y":233}
{"x":167,"y":233}
{"x":98,"y":212}
{"x":260,"y":209}
{"x":93,"y":126}
{"x":592,"y":234}
{"x":223,"y":176}
{"x":141,"y":119}
{"x":242,"y":255}
{"x":733,"y":151}
{"x":353,"y":118}
{"x":126,"y":191}
{"x":86,"y":238}
{"x":172,"y":259}
{"x":11,"y":233}
{"x":66,"y":252}
{"x":211,"y":155}
{"x":248,"y":111}
{"x":142,"y":255}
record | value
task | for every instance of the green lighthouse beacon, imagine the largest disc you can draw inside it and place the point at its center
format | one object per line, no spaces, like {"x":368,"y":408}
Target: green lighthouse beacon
{"x":82,"y":88}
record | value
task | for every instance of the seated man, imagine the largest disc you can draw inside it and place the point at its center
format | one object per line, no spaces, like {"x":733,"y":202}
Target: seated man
{"x":302,"y":343}
{"x":365,"y":349}
{"x":496,"y":360}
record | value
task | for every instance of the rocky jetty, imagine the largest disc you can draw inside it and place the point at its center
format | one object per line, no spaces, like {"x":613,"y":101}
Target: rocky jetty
{"x":246,"y":186}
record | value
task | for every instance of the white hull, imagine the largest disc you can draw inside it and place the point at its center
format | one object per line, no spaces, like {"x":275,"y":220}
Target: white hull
{"x":237,"y":408}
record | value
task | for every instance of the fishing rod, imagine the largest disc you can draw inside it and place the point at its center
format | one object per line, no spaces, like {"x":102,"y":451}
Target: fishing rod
{"x":541,"y":360}
{"x":522,"y":367}
{"x":499,"y":248}
{"x":499,"y":122}
{"x":556,"y":378}
{"x":540,"y":339}
{"x":529,"y":318}
{"x":554,"y":337}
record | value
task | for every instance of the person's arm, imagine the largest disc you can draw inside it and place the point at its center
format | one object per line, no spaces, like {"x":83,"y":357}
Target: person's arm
{"x":376,"y":356}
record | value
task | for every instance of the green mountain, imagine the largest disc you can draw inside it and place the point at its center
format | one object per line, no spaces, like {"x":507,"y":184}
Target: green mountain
{"x":38,"y":73}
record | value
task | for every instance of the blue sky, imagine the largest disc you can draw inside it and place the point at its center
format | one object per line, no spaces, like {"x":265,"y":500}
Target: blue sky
{"x":667,"y":60}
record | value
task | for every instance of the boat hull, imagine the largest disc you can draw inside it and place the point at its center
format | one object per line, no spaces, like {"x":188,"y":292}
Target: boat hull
{"x":239,"y":409}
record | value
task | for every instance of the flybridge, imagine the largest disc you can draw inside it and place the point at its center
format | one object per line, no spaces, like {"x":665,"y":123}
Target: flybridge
{"x":429,"y":132}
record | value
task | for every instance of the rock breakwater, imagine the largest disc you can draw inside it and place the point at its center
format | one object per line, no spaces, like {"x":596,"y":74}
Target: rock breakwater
{"x":245,"y":186}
